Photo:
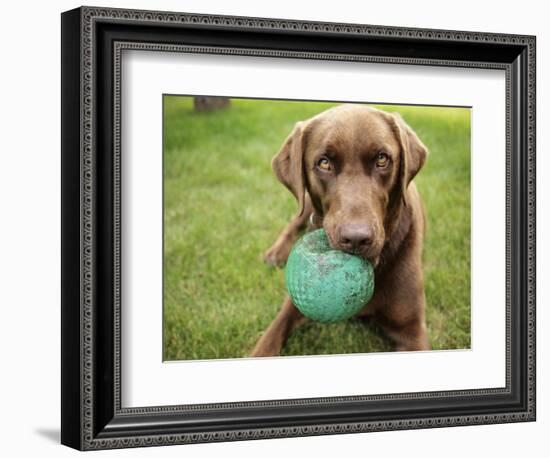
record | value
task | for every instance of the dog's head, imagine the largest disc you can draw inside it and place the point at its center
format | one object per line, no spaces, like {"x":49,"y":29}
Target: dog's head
{"x":356,"y":163}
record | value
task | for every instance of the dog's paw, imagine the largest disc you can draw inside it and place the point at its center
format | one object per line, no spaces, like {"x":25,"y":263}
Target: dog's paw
{"x":264,"y":349}
{"x":277,"y":255}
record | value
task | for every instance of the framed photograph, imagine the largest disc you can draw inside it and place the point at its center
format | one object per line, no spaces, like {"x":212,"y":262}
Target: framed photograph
{"x":276,"y":228}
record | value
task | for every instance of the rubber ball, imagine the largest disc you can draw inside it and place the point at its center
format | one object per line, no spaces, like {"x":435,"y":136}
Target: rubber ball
{"x":325,"y":284}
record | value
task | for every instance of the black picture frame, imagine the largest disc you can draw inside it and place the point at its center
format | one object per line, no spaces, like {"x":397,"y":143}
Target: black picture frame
{"x":92,"y":416}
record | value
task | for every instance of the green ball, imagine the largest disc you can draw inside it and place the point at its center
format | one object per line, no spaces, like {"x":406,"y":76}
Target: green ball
{"x":327,"y":285}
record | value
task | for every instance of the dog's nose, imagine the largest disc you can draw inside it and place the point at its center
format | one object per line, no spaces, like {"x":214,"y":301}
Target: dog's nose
{"x":355,"y":237}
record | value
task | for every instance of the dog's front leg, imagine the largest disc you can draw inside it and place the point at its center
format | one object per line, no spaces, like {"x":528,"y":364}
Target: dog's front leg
{"x":274,"y":337}
{"x":279,"y":251}
{"x":411,"y":336}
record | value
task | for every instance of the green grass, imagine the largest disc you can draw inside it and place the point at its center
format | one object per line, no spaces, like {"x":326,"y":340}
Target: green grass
{"x":223,"y":207}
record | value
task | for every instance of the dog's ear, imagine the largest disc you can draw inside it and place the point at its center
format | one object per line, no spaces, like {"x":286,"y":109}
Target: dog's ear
{"x":288,"y":164}
{"x":413,"y":153}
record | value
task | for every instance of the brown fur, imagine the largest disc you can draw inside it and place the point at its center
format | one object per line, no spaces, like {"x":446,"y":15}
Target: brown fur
{"x":370,"y":209}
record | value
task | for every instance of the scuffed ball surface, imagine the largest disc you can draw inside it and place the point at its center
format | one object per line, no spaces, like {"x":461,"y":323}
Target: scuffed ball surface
{"x":327,"y":285}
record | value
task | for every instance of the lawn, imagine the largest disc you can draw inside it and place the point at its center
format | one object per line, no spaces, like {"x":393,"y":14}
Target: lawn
{"x":223,"y":207}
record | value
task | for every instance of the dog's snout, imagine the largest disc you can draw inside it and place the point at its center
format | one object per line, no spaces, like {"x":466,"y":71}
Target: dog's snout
{"x":356,"y":237}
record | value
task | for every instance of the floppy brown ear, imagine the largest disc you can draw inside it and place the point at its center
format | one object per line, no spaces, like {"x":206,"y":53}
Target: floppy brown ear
{"x":288,"y":164}
{"x":413,"y":153}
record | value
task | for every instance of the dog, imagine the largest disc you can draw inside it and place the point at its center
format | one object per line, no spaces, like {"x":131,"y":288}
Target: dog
{"x":350,"y":169}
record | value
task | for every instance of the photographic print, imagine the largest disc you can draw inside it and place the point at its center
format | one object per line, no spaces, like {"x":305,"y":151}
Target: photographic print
{"x":296,"y":228}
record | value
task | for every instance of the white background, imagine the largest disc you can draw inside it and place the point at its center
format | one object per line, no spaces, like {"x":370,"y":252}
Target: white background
{"x":30,"y":245}
{"x":148,"y":75}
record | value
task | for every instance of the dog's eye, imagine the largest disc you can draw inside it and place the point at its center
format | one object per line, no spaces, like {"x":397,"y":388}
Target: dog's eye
{"x":382,"y":160}
{"x":324,"y":164}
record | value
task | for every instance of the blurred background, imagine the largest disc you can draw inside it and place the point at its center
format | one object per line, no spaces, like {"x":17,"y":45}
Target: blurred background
{"x":223,"y":207}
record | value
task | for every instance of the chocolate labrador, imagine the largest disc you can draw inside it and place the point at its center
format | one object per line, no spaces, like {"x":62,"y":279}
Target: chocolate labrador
{"x":351,"y":169}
